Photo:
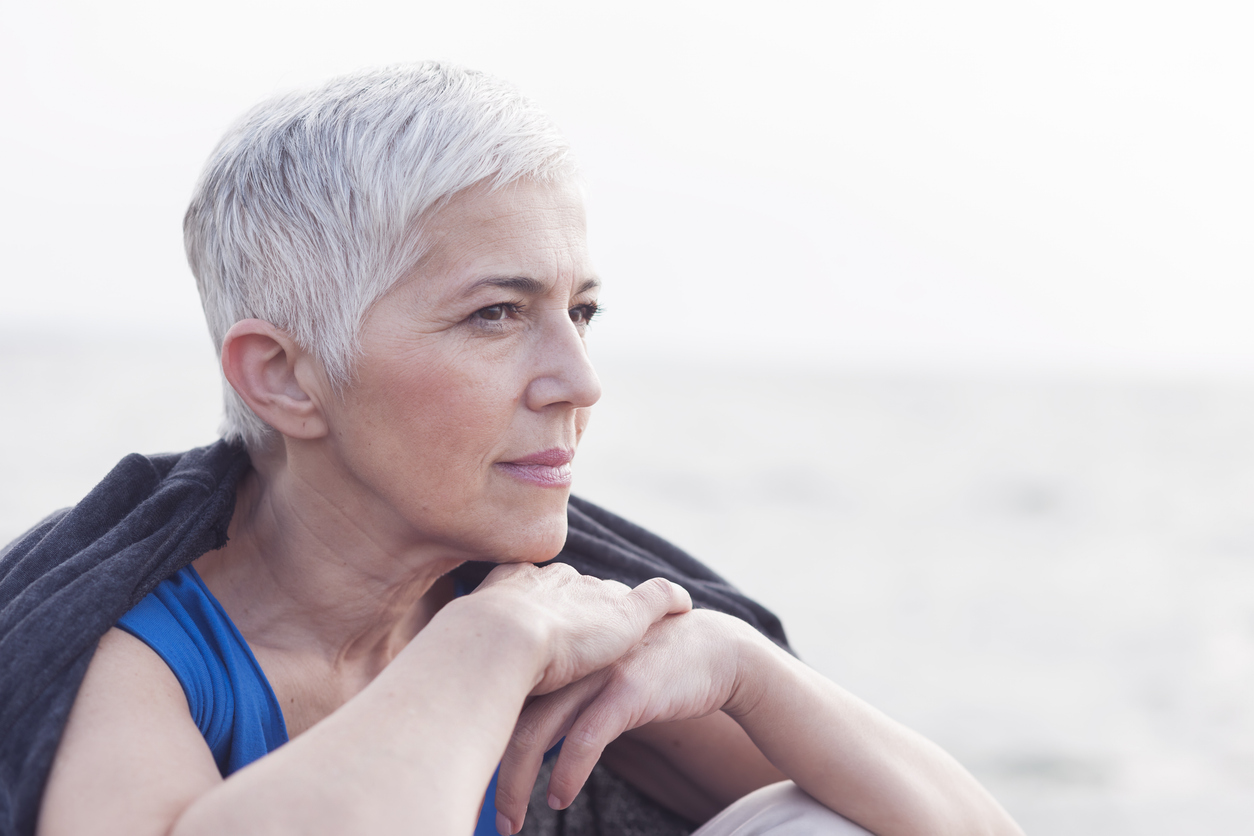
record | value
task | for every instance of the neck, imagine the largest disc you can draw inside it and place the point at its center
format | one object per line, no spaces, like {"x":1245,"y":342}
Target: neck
{"x":304,"y":574}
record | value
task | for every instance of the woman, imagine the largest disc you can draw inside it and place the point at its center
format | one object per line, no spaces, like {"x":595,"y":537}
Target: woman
{"x":394,"y":269}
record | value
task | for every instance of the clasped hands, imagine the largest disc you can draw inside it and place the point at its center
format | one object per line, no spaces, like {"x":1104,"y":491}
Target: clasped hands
{"x":608,"y":659}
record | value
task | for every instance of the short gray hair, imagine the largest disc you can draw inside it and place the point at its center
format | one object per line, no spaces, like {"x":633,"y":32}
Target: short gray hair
{"x":307,"y":212}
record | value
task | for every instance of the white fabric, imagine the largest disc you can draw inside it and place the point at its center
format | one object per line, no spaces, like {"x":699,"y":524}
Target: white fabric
{"x":782,"y":809}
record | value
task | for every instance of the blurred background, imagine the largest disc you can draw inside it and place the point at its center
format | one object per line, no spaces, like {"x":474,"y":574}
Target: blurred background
{"x":926,"y":324}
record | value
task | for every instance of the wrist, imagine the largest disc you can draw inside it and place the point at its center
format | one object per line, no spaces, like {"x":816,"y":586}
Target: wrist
{"x":758,"y":662}
{"x":492,"y":633}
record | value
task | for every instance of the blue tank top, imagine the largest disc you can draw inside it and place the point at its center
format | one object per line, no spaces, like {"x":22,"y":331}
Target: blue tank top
{"x":228,"y":693}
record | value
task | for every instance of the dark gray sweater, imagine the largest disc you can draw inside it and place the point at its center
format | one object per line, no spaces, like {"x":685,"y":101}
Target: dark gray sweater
{"x":65,"y":582}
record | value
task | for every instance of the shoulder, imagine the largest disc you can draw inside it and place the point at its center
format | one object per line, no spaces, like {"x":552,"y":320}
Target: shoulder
{"x":130,"y":752}
{"x":124,"y":660}
{"x":68,"y":580}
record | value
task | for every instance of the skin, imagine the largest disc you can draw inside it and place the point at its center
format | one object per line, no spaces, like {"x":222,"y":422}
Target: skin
{"x":399,"y":700}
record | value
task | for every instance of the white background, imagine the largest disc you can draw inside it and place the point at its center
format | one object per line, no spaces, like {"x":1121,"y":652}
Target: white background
{"x":1063,"y":185}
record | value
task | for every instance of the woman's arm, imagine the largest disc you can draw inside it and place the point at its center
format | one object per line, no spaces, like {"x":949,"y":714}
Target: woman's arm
{"x":133,"y":762}
{"x":131,"y":758}
{"x":851,"y":757}
{"x":412,"y":752}
{"x":693,"y":767}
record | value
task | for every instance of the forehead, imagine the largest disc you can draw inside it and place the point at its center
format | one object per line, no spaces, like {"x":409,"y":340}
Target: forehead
{"x":531,"y":229}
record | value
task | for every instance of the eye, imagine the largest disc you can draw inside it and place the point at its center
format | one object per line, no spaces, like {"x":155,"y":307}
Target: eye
{"x":583,"y":314}
{"x":496,"y":313}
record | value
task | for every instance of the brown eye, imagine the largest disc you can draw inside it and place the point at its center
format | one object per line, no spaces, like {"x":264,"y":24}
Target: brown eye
{"x":582,"y":314}
{"x":492,"y":313}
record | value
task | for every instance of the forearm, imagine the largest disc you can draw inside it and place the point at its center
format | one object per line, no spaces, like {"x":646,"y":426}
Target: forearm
{"x":411,"y":753}
{"x":694,"y":767}
{"x":855,"y":759}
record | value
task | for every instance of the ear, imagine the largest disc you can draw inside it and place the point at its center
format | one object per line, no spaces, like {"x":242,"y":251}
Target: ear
{"x":276,"y":378}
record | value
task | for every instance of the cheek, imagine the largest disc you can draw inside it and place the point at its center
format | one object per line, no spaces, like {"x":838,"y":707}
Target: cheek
{"x":451,"y":416}
{"x":582,"y":416}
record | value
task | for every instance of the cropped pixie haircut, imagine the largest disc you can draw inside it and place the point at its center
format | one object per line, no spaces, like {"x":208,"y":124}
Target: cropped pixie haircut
{"x":309,"y":209}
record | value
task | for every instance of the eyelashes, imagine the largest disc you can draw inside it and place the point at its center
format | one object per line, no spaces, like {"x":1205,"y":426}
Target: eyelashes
{"x":584,"y":314}
{"x":495,"y":316}
{"x":498,"y":312}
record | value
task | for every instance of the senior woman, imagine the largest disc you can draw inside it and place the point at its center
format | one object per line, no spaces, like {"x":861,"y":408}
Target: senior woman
{"x":286,"y":631}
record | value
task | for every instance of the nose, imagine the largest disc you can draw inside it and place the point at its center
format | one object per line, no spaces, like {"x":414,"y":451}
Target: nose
{"x":563,"y":372}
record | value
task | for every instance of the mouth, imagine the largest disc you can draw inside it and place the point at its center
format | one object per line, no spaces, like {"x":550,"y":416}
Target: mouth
{"x":546,"y":469}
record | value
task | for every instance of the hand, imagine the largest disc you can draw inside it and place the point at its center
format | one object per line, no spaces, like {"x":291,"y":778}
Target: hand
{"x":580,"y":623}
{"x":686,"y":666}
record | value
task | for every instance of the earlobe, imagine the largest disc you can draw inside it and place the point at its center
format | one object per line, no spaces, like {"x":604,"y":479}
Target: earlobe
{"x":266,"y":367}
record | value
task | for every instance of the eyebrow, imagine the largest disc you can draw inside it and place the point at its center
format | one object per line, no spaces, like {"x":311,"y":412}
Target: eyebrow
{"x":526,"y":285}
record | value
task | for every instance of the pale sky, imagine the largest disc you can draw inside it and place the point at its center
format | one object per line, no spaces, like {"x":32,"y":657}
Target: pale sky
{"x":1061,"y":185}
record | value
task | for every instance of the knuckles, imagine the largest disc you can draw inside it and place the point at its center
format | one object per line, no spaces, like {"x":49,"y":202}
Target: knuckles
{"x":579,"y":623}
{"x":526,"y":736}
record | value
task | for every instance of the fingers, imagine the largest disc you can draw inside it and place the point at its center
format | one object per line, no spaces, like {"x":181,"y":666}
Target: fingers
{"x":589,"y":714}
{"x":598,"y":725}
{"x":674,"y":674}
{"x":579,"y":624}
{"x":658,"y":597}
{"x":519,"y":767}
{"x":540,"y":726}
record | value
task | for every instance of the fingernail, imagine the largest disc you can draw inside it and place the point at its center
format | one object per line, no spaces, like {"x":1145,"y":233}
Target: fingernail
{"x":503,"y":825}
{"x":554,"y":802}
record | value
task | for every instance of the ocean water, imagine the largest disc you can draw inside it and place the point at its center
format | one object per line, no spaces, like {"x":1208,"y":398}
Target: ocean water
{"x":1051,"y":577}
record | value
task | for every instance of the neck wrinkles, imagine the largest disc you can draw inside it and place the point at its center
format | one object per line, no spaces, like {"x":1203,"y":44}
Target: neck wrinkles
{"x":300,"y":575}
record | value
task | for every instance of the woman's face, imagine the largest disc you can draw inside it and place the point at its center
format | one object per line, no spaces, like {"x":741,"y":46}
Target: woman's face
{"x":474,"y":384}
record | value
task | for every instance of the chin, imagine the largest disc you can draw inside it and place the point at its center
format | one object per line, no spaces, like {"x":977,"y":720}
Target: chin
{"x":535,"y":539}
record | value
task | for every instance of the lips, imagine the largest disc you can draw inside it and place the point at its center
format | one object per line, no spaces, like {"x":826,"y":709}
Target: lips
{"x":546,"y":469}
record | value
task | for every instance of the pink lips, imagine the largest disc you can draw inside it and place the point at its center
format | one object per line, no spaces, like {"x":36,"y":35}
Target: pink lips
{"x":546,"y":469}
